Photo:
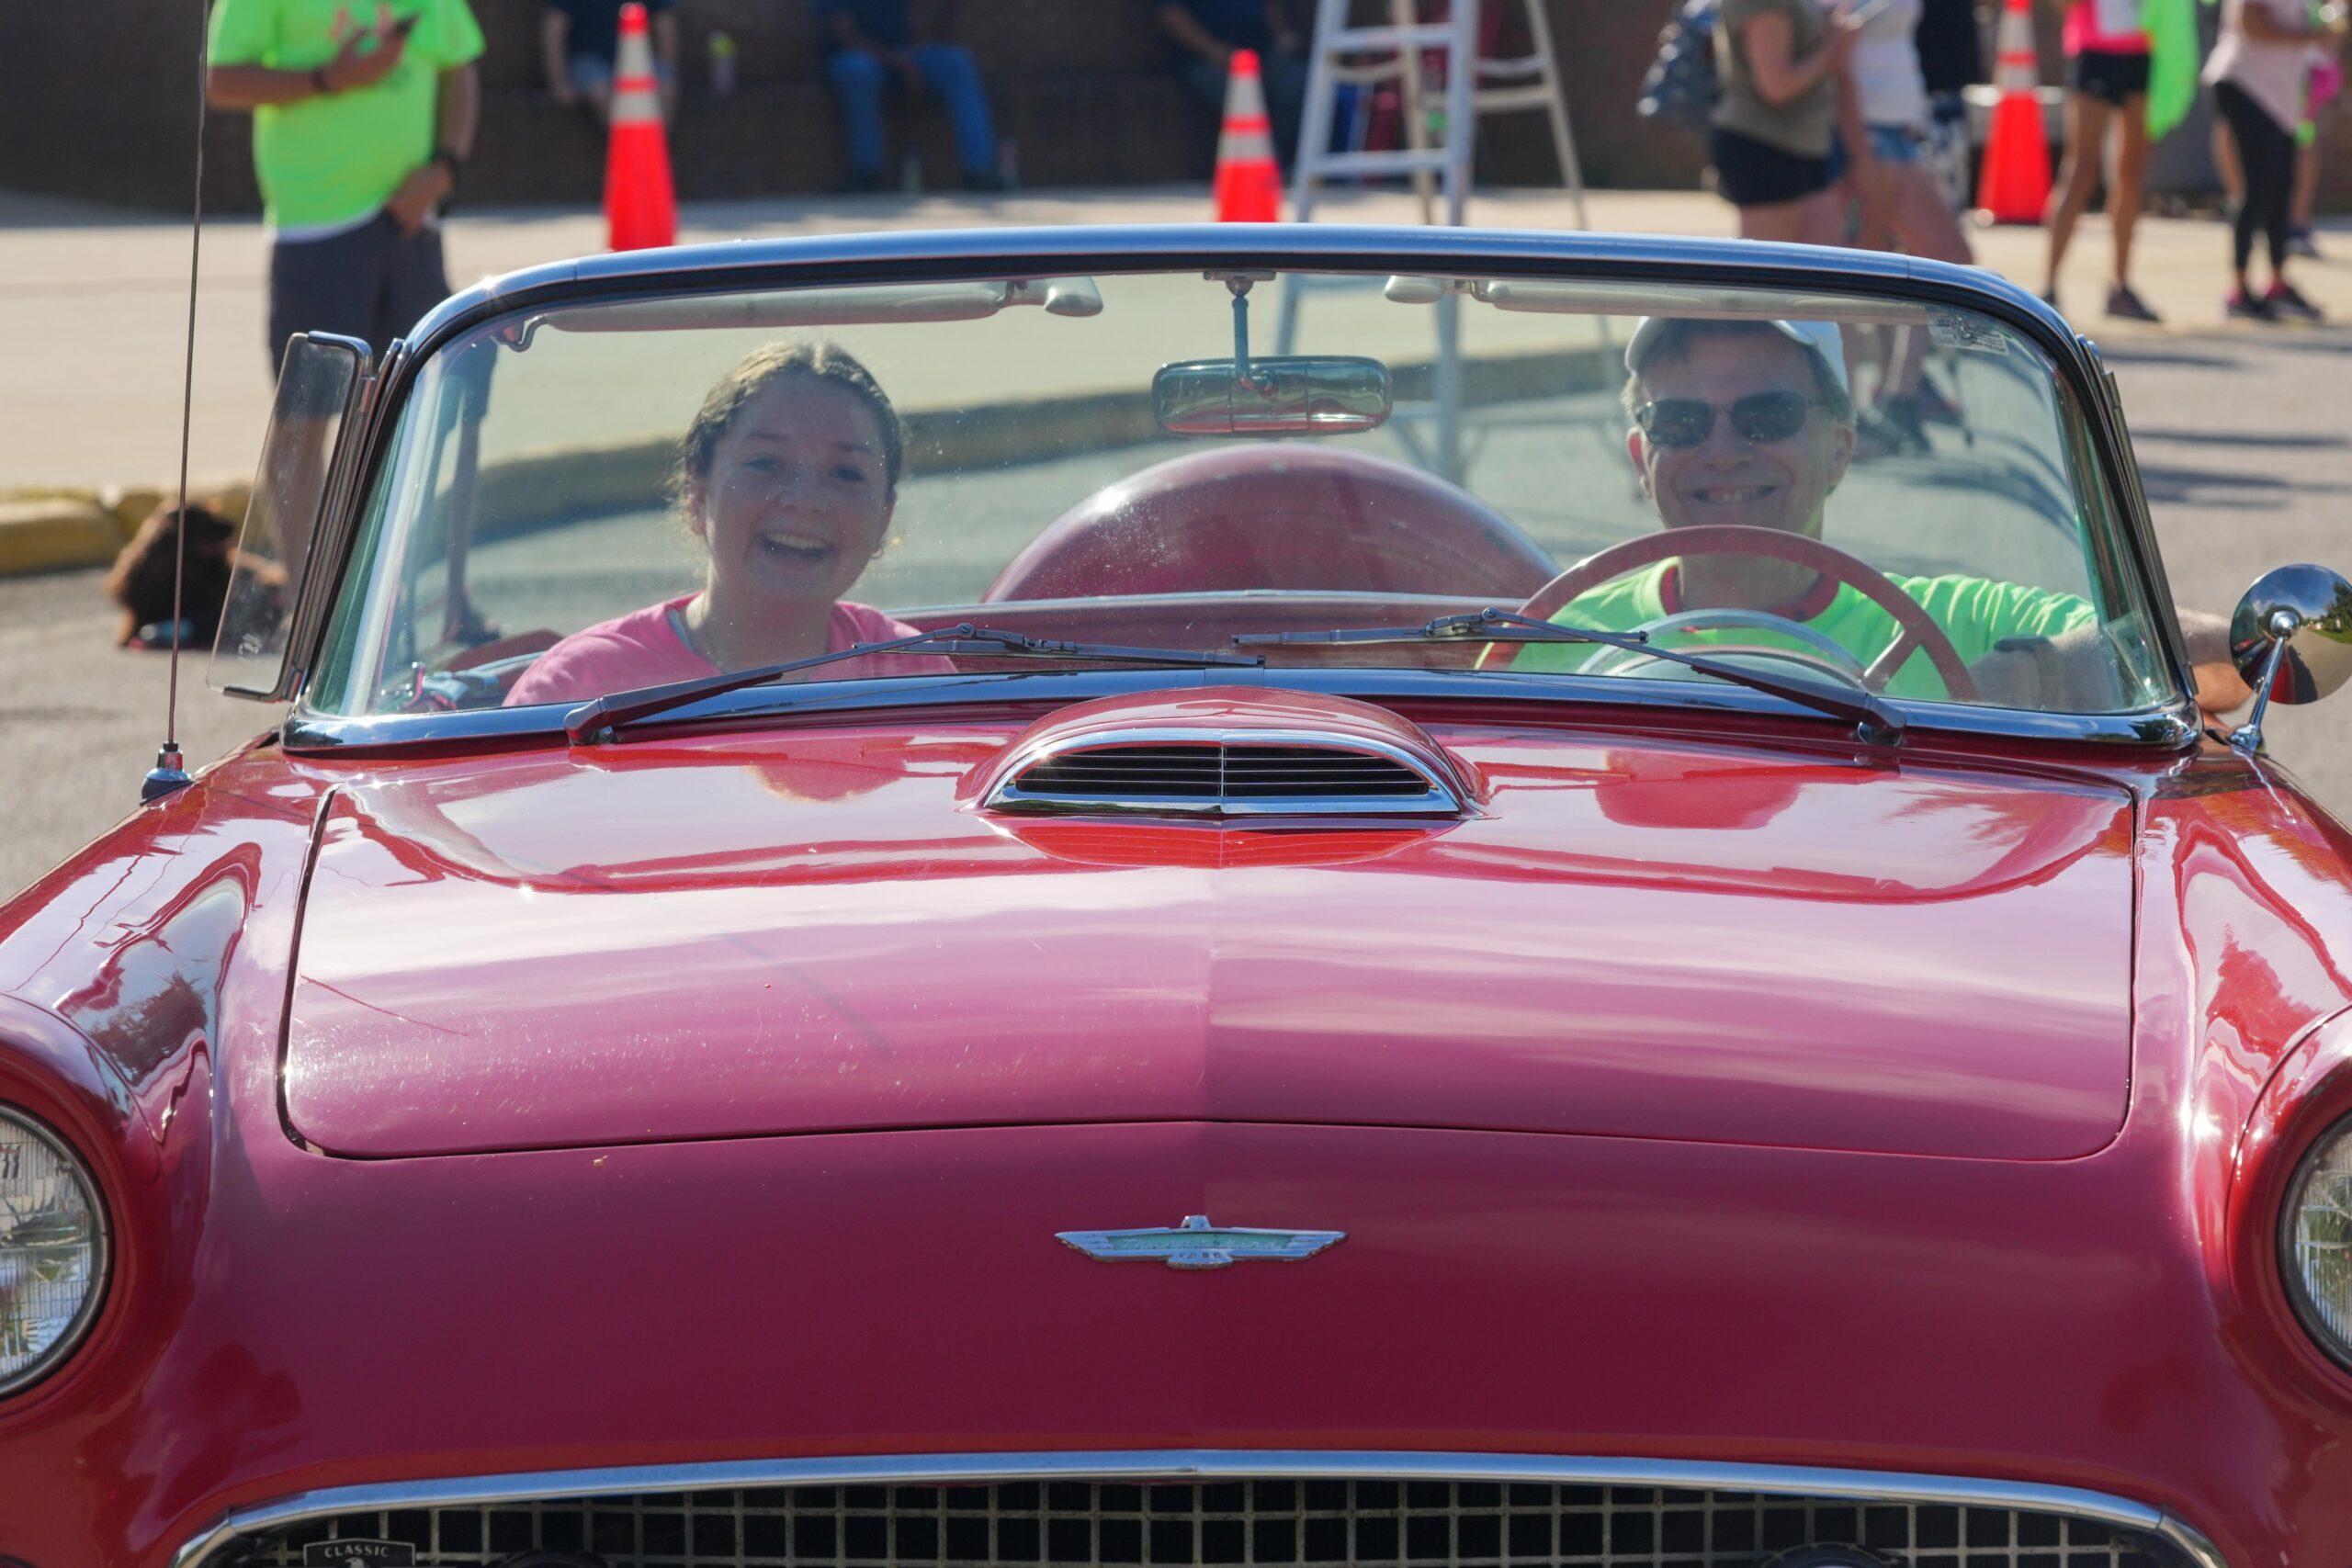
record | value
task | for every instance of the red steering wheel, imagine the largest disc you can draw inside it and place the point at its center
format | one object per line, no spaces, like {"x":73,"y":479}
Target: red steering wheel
{"x":1915,"y":629}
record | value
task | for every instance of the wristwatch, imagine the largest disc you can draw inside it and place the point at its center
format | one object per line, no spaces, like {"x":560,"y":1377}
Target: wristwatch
{"x":451,"y":165}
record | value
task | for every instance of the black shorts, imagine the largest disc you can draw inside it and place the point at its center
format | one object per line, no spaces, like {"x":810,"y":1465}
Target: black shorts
{"x":372,"y":283}
{"x":2110,"y":76}
{"x":1749,"y":173}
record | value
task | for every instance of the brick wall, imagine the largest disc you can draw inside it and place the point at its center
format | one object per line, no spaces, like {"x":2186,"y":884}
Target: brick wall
{"x":1079,"y":86}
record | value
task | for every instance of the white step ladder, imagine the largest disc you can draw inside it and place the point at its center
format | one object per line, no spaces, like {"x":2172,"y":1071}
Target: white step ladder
{"x":1437,"y":157}
{"x":1487,"y":87}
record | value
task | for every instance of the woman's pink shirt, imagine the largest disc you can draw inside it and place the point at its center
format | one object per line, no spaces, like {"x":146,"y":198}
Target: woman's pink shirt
{"x":2082,"y":33}
{"x":643,"y":648}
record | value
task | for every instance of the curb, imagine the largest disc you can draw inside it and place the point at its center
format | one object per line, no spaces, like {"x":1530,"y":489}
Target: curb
{"x":55,"y":536}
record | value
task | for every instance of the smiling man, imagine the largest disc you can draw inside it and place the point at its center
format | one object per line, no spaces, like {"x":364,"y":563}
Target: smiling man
{"x":1750,"y":423}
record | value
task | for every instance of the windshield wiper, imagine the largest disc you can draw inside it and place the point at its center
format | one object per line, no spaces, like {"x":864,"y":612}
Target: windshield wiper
{"x":601,"y":719}
{"x":1873,"y":718}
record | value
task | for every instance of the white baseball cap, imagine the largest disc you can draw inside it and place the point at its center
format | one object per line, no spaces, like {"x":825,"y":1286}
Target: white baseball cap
{"x":1822,"y":338}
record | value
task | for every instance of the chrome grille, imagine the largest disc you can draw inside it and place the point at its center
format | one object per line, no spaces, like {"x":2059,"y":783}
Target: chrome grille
{"x":1226,"y":778}
{"x":1298,"y":1524}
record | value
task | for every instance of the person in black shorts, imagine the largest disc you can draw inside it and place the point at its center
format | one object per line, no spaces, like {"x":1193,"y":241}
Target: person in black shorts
{"x":2106,"y":75}
{"x":1785,"y":97}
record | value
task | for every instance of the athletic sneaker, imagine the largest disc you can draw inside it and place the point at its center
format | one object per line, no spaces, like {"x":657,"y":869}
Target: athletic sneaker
{"x":2124,"y":305}
{"x":2246,"y":308}
{"x":2300,"y":243}
{"x":2285,"y":299}
{"x":1904,"y":416}
{"x":1934,"y":407}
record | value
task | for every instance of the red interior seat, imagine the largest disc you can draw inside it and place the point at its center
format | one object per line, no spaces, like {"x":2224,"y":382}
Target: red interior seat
{"x":1279,"y":517}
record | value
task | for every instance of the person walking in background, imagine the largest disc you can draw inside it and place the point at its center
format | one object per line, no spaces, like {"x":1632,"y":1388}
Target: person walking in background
{"x":1203,"y":34}
{"x":2257,"y":72}
{"x":870,"y":44}
{"x":1892,"y":95}
{"x":1950,"y":41}
{"x":580,"y":40}
{"x":360,"y":130}
{"x":2106,"y":81}
{"x":2321,"y":89}
{"x":1779,"y":113}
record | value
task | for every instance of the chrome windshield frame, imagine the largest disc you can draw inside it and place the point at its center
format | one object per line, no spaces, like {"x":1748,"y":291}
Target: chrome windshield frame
{"x":940,"y":256}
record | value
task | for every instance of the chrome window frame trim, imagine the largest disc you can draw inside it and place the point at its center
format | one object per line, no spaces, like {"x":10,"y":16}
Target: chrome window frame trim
{"x":1204,"y":1464}
{"x":918,"y":256}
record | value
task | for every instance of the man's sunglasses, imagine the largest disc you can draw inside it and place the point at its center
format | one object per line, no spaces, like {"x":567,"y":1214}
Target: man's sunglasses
{"x":1758,"y":418}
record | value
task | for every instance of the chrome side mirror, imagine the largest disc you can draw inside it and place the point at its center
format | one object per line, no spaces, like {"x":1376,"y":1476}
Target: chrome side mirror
{"x":2291,"y":641}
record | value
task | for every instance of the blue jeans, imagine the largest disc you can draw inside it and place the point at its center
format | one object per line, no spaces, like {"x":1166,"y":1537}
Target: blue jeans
{"x":947,"y":72}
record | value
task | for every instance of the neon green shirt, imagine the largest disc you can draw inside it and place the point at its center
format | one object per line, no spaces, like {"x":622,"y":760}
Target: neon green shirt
{"x":333,"y":161}
{"x":1974,"y":612}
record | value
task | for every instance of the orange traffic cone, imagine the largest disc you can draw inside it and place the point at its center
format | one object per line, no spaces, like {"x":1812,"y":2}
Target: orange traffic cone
{"x":2015,"y":184}
{"x":640,"y":205}
{"x":1248,"y":190}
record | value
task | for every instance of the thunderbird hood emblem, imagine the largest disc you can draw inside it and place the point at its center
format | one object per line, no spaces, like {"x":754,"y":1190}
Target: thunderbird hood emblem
{"x":1196,"y":1244}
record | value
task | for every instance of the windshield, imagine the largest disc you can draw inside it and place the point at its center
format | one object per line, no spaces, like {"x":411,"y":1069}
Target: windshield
{"x":1855,"y":492}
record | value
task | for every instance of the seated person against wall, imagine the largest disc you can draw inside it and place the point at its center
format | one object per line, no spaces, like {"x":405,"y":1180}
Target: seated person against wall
{"x":870,"y":44}
{"x":787,"y":476}
{"x":1204,"y":33}
{"x":1750,"y":423}
{"x":579,"y":42}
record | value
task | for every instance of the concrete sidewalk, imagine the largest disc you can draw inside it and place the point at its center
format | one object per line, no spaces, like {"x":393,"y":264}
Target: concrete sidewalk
{"x":94,"y":303}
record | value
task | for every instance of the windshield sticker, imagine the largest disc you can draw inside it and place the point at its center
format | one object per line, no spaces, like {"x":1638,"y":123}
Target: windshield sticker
{"x":1949,"y":329}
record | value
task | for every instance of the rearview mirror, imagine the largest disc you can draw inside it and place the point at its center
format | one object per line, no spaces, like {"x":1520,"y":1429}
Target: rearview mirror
{"x":1285,"y":395}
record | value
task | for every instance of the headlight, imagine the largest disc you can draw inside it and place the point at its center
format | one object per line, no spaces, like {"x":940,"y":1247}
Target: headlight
{"x":2315,"y":1239}
{"x":52,"y":1250}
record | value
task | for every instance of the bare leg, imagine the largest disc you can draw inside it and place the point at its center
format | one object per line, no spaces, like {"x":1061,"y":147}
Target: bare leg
{"x":1915,"y":206}
{"x":1909,"y":364}
{"x":1808,"y":221}
{"x":2123,"y":196}
{"x":2306,"y":183}
{"x":2087,"y":120}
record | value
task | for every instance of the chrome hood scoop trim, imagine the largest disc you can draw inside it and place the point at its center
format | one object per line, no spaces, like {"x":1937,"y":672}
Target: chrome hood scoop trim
{"x":1227,"y":752}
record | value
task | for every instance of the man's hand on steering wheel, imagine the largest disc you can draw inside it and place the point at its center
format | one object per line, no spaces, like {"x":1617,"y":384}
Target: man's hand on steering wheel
{"x":1915,"y":629}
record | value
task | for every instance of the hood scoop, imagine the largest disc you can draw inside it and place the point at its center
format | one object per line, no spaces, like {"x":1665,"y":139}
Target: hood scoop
{"x":1233,"y":753}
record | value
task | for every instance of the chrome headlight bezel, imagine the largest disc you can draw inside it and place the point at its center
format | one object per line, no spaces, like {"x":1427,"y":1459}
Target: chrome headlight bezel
{"x":2336,"y":1344}
{"x":85,"y":1313}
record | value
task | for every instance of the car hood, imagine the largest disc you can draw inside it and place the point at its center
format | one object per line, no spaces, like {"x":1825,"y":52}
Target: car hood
{"x":820,"y":931}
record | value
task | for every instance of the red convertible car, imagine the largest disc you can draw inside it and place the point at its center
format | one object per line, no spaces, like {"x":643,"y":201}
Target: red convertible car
{"x":1260,"y":895}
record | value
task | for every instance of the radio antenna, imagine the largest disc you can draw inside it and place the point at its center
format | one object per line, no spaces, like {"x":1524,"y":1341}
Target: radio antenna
{"x":169,"y":773}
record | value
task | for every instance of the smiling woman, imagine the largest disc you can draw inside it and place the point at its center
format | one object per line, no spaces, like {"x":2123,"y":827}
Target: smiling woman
{"x":788,"y":476}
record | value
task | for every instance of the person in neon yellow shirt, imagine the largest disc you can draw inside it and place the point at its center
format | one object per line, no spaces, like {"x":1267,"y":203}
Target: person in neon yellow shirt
{"x":1749,"y":424}
{"x":363,"y":116}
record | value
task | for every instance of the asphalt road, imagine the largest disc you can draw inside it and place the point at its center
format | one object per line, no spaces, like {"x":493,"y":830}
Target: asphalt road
{"x":2242,"y":441}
